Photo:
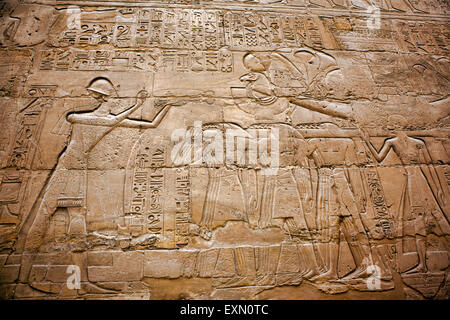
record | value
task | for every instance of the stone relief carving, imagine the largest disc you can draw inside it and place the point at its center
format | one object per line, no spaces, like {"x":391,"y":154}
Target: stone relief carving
{"x":254,"y":149}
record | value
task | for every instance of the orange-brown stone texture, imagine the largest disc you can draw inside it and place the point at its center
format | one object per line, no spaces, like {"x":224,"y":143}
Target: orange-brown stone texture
{"x":218,"y":149}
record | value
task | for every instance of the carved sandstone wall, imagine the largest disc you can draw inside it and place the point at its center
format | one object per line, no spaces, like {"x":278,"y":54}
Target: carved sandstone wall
{"x":203,"y":149}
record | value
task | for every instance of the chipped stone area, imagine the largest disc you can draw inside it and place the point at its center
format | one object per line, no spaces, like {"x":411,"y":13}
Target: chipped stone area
{"x":218,"y":149}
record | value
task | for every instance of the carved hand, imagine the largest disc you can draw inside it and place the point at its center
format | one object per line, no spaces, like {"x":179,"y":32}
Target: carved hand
{"x":178,"y":103}
{"x":141,"y":96}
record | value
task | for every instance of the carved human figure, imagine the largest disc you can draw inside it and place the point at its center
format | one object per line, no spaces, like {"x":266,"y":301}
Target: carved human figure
{"x":335,"y":204}
{"x":66,"y":186}
{"x":416,"y":207}
{"x":335,"y":207}
{"x":315,"y":74}
{"x":259,"y":97}
{"x":259,"y":100}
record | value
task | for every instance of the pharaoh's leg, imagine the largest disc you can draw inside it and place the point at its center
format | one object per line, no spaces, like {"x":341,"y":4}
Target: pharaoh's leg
{"x":333,"y":251}
{"x":35,"y":238}
{"x":310,"y":253}
{"x":248,"y":180}
{"x":34,"y":228}
{"x":307,"y":249}
{"x":360,"y":255}
{"x":212,"y":194}
{"x":36,"y":223}
{"x":267,"y":201}
{"x":323,"y":204}
{"x":309,"y":256}
{"x":420,"y":244}
{"x":39,"y":227}
{"x":383,"y":258}
{"x":421,"y":251}
{"x":322,"y":210}
{"x":355,"y":238}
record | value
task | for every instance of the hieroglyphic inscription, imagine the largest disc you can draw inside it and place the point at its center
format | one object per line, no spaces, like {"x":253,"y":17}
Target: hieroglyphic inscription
{"x":21,"y":156}
{"x":195,"y":30}
{"x":97,"y":96}
{"x":182,"y":200}
{"x":136,"y":60}
{"x":155,"y":216}
{"x":382,"y":215}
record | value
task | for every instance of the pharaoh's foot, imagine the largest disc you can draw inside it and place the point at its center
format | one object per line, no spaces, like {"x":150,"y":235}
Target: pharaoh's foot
{"x":339,"y":6}
{"x":393,"y":9}
{"x":419,"y":11}
{"x":310,"y":273}
{"x":421,"y":268}
{"x":329,"y":275}
{"x":360,"y":272}
{"x":354,"y":7}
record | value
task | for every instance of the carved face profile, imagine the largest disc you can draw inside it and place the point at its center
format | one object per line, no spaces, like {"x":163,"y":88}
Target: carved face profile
{"x":101,"y":88}
{"x":335,"y":83}
{"x":253,"y":63}
{"x":97,"y":95}
{"x":396,"y":122}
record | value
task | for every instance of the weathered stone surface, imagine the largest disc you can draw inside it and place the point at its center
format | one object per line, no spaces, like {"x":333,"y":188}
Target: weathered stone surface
{"x":166,"y":264}
{"x":9,"y":274}
{"x":127,"y":266}
{"x":218,"y":149}
{"x":100,"y":258}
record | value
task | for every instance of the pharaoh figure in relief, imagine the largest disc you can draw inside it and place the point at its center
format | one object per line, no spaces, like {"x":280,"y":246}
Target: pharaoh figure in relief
{"x":424,"y":200}
{"x":329,"y":160}
{"x":276,"y":85}
{"x":67,"y":186}
{"x":199,"y":149}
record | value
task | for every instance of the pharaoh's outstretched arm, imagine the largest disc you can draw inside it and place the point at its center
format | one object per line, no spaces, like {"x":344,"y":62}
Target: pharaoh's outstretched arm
{"x":379,"y":156}
{"x":95,"y":120}
{"x":90,"y":119}
{"x":343,"y":111}
{"x":143,"y":124}
{"x":141,"y":96}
